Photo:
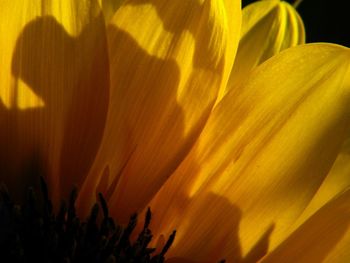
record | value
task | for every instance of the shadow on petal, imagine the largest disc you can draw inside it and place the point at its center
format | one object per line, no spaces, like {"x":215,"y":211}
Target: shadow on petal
{"x":71,"y":76}
{"x":209,"y":232}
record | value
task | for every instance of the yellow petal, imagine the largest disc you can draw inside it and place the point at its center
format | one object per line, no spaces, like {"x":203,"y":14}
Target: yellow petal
{"x":201,"y":236}
{"x":325,"y":237}
{"x":268,"y":27}
{"x":169,"y":59}
{"x":337,"y":181}
{"x":53,"y":90}
{"x":109,"y":8}
{"x":265,"y":149}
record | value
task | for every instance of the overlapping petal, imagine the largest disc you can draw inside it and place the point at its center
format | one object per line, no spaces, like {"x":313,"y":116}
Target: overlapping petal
{"x":54,"y":71}
{"x":268,"y":27}
{"x":337,"y":181}
{"x":230,"y":158}
{"x":109,"y":8}
{"x":263,"y":154}
{"x":169,"y":61}
{"x":324,"y":237}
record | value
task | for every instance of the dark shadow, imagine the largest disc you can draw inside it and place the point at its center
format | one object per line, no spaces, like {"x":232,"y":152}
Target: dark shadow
{"x":65,"y":133}
{"x":260,"y":248}
{"x":179,"y":16}
{"x":217,"y":230}
{"x":134,"y":74}
{"x":211,"y":235}
{"x":317,"y":236}
{"x":346,"y":147}
{"x":19,"y":169}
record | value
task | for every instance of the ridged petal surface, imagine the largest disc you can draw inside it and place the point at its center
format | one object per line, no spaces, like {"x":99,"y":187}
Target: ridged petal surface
{"x":268,"y":27}
{"x":54,"y":86}
{"x":169,"y":61}
{"x":262,"y":156}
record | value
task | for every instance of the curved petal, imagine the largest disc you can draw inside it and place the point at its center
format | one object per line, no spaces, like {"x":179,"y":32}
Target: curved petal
{"x":168,"y":62}
{"x":53,"y":90}
{"x":265,"y":149}
{"x":337,"y":181}
{"x":324,"y":237}
{"x":208,"y":230}
{"x":268,"y":27}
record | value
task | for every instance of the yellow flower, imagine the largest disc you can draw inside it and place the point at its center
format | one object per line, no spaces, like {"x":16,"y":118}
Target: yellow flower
{"x":145,"y":108}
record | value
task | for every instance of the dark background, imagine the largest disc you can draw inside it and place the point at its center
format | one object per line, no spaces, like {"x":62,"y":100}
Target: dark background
{"x":325,"y":20}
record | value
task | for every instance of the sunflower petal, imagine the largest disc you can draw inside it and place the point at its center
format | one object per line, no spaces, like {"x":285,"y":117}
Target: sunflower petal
{"x":54,"y":58}
{"x":266,"y":148}
{"x":169,"y":61}
{"x":208,"y":229}
{"x":268,"y":27}
{"x":337,"y":181}
{"x":324,"y":237}
{"x":109,"y":8}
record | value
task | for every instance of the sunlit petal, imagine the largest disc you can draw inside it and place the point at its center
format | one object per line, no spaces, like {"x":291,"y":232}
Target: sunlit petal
{"x":268,"y":27}
{"x":169,"y":60}
{"x":109,"y":8}
{"x":325,"y":237}
{"x":53,"y":90}
{"x":337,"y":180}
{"x":265,"y":150}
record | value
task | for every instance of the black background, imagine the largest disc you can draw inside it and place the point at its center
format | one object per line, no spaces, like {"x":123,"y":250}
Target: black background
{"x":325,"y":20}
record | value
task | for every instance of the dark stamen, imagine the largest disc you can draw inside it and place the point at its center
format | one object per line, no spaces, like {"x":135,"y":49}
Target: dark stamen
{"x":32,"y":232}
{"x":104,"y":205}
{"x":147,"y":218}
{"x":168,"y":243}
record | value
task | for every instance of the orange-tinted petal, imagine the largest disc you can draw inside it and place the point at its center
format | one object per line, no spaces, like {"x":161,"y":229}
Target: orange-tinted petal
{"x":169,"y":61}
{"x":268,"y":27}
{"x":53,"y":90}
{"x":109,"y":8}
{"x":265,"y":150}
{"x":324,"y":237}
{"x":337,"y":181}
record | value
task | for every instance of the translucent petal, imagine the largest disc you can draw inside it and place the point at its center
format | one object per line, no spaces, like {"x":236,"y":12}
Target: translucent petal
{"x":337,"y":181}
{"x":324,"y":237}
{"x":268,"y":27}
{"x":264,"y":152}
{"x":53,"y":91}
{"x":169,"y":61}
